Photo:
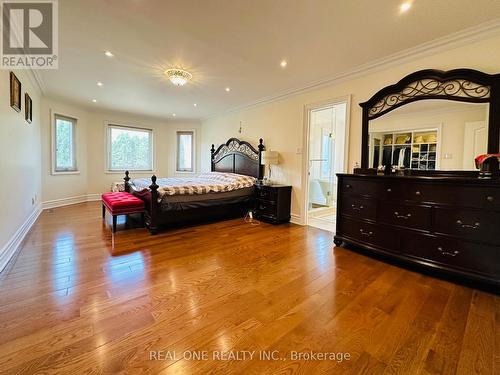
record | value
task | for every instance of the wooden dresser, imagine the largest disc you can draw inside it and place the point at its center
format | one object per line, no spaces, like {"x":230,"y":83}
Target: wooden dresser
{"x":447,"y":223}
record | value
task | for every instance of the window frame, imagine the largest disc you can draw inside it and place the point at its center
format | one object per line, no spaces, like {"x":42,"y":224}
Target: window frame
{"x":108,"y":129}
{"x":74,"y":120}
{"x":179,"y":132}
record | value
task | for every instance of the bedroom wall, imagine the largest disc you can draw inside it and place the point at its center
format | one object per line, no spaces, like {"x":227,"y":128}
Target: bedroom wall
{"x":94,"y":179}
{"x":20,"y":165}
{"x":281,"y":122}
{"x":63,"y":186}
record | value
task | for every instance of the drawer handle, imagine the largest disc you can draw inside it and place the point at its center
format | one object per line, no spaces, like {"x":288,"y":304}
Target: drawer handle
{"x":356,"y":208}
{"x":348,"y":186}
{"x":404,"y":217}
{"x":489,"y":198}
{"x":418,"y":193}
{"x":367,"y":234}
{"x":448,"y":253}
{"x":474,"y":226}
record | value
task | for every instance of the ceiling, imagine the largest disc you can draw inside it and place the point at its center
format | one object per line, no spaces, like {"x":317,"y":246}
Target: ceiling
{"x":232,"y":43}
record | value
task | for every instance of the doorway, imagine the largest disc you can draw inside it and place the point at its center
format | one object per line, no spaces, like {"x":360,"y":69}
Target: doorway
{"x":326,"y":146}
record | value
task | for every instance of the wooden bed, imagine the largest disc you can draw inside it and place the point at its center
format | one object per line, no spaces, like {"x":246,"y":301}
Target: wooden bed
{"x":234,"y":156}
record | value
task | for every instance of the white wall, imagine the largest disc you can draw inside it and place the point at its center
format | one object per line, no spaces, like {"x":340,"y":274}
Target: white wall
{"x":91,"y":144}
{"x":20,"y":163}
{"x":281,"y":122}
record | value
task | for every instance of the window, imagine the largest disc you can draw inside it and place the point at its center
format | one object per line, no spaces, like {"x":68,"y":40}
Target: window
{"x":130,"y":149}
{"x":185,"y":151}
{"x":64,"y":159}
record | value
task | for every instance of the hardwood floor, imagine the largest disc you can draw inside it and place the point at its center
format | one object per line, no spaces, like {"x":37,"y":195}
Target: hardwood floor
{"x":76,"y":300}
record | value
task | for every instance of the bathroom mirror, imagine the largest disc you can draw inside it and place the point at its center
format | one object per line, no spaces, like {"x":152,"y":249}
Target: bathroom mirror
{"x":432,"y":121}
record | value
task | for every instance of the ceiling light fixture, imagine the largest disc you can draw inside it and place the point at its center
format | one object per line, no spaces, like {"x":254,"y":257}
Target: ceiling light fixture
{"x":405,"y":7}
{"x":173,"y":114}
{"x":108,"y":54}
{"x":283,"y":63}
{"x":228,"y":89}
{"x":100,"y":84}
{"x":94,"y":100}
{"x":196,"y":105}
{"x":178,"y":77}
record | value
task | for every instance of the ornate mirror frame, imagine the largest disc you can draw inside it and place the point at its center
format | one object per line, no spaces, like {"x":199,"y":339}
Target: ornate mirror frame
{"x":464,"y":85}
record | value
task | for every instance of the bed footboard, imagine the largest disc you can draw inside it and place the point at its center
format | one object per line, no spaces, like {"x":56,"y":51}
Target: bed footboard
{"x":150,"y":198}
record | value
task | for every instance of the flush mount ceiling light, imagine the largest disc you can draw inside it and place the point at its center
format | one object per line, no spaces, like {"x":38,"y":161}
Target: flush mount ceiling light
{"x":178,"y":77}
{"x":109,"y":53}
{"x":283,"y":63}
{"x":405,"y":7}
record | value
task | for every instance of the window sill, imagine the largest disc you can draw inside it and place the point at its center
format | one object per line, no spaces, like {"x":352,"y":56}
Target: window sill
{"x":130,"y":171}
{"x":56,"y":173}
{"x":185,"y":172}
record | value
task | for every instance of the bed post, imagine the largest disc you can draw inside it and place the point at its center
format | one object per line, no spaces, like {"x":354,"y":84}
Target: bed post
{"x":153,"y":214}
{"x":261,"y":167}
{"x":127,"y":179}
{"x":212,"y":152}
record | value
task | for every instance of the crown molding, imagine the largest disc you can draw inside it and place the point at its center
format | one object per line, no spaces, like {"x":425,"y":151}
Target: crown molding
{"x":476,"y":33}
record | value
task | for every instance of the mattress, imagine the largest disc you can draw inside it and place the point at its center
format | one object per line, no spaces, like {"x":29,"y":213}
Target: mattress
{"x":205,"y":183}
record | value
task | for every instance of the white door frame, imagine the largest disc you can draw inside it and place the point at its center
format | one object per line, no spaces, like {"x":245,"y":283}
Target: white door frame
{"x":308,"y":108}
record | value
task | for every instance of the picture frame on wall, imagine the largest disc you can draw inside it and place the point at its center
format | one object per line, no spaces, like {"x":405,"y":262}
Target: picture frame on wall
{"x":15,"y":92}
{"x":28,"y":108}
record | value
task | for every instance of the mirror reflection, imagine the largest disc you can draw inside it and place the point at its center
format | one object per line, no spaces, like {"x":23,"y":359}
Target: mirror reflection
{"x":430,"y":135}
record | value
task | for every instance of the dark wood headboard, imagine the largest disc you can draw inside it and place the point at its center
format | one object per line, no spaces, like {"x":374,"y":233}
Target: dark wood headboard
{"x":237,"y":156}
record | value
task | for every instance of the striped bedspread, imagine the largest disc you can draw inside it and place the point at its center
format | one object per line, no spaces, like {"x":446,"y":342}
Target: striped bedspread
{"x":211,"y":182}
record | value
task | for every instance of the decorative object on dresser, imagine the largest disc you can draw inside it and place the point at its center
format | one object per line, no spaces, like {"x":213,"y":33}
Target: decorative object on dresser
{"x":488,"y":165}
{"x":234,"y":156}
{"x":15,"y":92}
{"x":444,"y":220}
{"x":269,"y":158}
{"x":273,"y":203}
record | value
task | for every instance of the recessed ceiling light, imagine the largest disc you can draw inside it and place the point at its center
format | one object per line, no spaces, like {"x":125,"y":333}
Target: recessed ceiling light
{"x":228,"y":89}
{"x":173,"y":114}
{"x":283,"y":63}
{"x":94,"y":100}
{"x":109,"y":53}
{"x":196,"y":105}
{"x":100,"y":84}
{"x":405,"y":7}
{"x":178,"y":77}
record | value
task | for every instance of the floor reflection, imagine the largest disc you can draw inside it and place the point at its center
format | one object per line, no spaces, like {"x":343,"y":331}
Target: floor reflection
{"x":63,"y":264}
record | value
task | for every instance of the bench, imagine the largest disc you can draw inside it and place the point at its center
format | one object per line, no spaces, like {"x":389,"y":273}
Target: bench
{"x":121,"y":203}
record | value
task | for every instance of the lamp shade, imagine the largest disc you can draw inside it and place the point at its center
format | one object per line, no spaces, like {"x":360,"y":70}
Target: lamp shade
{"x":269,"y":157}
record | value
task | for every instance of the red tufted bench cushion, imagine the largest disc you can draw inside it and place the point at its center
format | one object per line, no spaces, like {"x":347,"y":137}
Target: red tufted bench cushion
{"x":122,"y":203}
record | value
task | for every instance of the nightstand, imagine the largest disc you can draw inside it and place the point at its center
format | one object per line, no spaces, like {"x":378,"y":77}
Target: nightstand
{"x":273,"y":203}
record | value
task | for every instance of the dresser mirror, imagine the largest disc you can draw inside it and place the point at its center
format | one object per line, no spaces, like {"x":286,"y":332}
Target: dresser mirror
{"x":432,"y":121}
{"x":430,"y":135}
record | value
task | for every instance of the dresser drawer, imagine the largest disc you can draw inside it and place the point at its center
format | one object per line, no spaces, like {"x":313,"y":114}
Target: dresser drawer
{"x":475,"y":225}
{"x":360,"y":207}
{"x":417,"y":217}
{"x":264,"y":192}
{"x":266,"y":208}
{"x":458,"y":254}
{"x":376,"y":235}
{"x":447,"y":194}
{"x":358,"y":186}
